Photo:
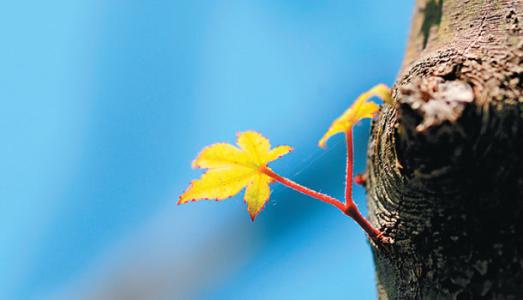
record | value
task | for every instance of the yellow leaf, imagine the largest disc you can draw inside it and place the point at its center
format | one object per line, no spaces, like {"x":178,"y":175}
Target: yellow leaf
{"x":230,"y":169}
{"x":360,"y":109}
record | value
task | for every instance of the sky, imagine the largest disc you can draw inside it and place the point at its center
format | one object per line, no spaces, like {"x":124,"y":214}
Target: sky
{"x":106,"y":103}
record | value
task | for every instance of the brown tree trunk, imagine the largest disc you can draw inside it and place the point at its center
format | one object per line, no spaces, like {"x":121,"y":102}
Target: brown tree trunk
{"x":445,"y":162}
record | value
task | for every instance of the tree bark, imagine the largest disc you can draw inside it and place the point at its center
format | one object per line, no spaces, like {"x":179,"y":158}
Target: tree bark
{"x":445,"y":162}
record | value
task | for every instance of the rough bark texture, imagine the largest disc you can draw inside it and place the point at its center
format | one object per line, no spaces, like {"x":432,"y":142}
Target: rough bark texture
{"x":445,"y":175}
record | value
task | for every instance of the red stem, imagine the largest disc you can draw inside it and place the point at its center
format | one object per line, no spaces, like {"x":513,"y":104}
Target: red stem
{"x":304,"y":190}
{"x":350,"y":210}
{"x":348,"y":173}
{"x":353,"y":212}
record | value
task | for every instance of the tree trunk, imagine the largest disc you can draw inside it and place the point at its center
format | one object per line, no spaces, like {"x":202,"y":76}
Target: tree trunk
{"x":445,"y":162}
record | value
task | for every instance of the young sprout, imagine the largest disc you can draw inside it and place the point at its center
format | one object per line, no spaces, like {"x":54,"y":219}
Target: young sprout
{"x":360,"y":109}
{"x":231,"y":168}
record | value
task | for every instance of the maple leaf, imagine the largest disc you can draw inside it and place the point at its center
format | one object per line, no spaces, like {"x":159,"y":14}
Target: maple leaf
{"x":360,"y":109}
{"x":231,"y":168}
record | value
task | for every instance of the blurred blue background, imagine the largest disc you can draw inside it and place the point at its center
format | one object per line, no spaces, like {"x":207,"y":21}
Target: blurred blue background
{"x":106,"y":103}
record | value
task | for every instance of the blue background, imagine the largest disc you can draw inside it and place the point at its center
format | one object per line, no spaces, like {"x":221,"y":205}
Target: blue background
{"x":105,"y":104}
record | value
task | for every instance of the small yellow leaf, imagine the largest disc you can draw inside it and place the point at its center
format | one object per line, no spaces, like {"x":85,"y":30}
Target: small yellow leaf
{"x":360,"y":109}
{"x":230,"y":169}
